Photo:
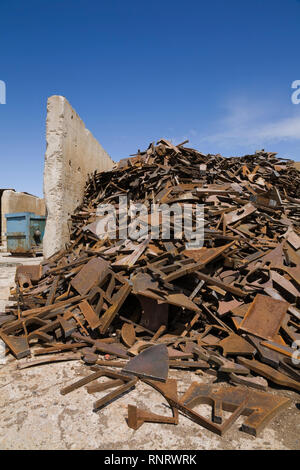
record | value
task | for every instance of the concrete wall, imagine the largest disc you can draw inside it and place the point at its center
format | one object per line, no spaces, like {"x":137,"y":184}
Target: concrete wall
{"x":72,"y":153}
{"x":13,"y":202}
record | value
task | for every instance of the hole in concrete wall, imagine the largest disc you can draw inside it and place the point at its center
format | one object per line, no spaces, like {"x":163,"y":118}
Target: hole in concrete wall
{"x":70,"y":163}
{"x":79,"y":169}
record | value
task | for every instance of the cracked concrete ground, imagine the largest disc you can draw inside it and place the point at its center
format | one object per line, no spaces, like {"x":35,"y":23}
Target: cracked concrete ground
{"x":34,"y":415}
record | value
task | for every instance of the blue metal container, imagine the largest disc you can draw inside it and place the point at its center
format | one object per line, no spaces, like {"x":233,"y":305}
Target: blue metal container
{"x":25,"y":232}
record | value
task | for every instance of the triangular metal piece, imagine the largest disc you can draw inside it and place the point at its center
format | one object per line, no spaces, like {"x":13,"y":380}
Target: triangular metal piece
{"x":152,"y":363}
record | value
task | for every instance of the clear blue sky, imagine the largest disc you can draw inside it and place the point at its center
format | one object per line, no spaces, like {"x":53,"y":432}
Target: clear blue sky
{"x":216,"y":72}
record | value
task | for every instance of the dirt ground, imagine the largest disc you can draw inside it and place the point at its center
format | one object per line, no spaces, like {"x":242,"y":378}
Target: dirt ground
{"x":34,"y":415}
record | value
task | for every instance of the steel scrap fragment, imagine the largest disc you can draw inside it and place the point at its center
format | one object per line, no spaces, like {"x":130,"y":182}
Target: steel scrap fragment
{"x":152,"y":363}
{"x":259,"y":407}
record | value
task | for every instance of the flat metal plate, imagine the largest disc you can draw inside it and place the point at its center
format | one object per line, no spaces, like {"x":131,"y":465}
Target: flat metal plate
{"x":264,"y":317}
{"x":90,"y":275}
{"x":152,"y":363}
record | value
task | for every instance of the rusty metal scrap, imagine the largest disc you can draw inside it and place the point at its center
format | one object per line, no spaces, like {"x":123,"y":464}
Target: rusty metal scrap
{"x":90,"y":275}
{"x":99,"y":387}
{"x":152,"y":363}
{"x":264,"y":316}
{"x":229,"y":308}
{"x":129,"y":383}
{"x":26,"y":363}
{"x":234,"y":345}
{"x":128,"y":334}
{"x":216,"y":425}
{"x":255,"y":382}
{"x":259,"y":407}
{"x":18,"y":345}
{"x":137,"y":417}
{"x":271,"y":374}
{"x":32,"y":272}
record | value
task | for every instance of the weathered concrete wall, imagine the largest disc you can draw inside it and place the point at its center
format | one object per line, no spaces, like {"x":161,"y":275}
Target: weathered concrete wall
{"x":13,"y":202}
{"x":72,"y":153}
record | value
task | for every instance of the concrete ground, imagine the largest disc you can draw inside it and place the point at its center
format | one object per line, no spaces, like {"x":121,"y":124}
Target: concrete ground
{"x":34,"y":415}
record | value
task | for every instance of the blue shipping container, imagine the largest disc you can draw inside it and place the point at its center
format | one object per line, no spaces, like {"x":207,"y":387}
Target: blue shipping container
{"x":25,"y":232}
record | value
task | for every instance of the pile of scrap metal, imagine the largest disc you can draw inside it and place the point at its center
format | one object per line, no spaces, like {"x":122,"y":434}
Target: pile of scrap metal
{"x":229,"y":308}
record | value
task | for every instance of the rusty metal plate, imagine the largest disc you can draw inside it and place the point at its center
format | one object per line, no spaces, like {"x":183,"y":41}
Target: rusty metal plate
{"x":239,"y":214}
{"x":274,"y":258}
{"x":264,"y":317}
{"x":92,"y":274}
{"x":24,"y":281}
{"x":260,"y":409}
{"x":226,"y":307}
{"x":33,"y":271}
{"x":215,"y":425}
{"x":17,"y":344}
{"x":235,"y":345}
{"x":152,"y":363}
{"x":293,"y":239}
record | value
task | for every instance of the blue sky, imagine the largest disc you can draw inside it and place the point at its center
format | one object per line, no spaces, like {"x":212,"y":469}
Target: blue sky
{"x":216,"y":72}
